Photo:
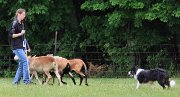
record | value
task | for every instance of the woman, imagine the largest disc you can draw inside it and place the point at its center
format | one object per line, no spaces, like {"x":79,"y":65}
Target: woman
{"x":17,"y":35}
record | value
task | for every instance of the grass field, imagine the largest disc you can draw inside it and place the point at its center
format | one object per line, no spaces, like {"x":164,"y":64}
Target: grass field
{"x":99,"y":87}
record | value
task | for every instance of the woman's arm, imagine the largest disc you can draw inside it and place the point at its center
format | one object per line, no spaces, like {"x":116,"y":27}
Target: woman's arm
{"x":27,"y":46}
{"x":19,"y":34}
{"x":13,"y":29}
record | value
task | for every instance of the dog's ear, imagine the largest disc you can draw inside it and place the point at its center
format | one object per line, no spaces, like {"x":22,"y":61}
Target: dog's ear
{"x":137,"y":66}
{"x":34,"y":56}
{"x":133,"y":66}
{"x":49,"y":55}
{"x":29,"y":56}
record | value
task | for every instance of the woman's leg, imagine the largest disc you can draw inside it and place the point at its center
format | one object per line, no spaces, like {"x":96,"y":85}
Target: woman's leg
{"x":26,"y":73}
{"x":23,"y":67}
{"x":19,"y":71}
{"x":18,"y":75}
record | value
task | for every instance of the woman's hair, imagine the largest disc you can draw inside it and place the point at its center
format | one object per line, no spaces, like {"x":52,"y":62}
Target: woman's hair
{"x":19,"y":11}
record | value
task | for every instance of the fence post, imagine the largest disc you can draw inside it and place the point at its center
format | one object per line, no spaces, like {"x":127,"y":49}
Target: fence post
{"x":55,"y":42}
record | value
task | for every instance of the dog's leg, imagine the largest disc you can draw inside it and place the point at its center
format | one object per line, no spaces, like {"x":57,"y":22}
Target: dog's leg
{"x":32,"y":75}
{"x":138,"y":84}
{"x":81,"y":79}
{"x":36,"y":76}
{"x":72,"y":77}
{"x":86,"y":80}
{"x":62,"y":78}
{"x":58,"y":76}
{"x":162,"y":84}
{"x":49,"y":77}
{"x":151,"y":83}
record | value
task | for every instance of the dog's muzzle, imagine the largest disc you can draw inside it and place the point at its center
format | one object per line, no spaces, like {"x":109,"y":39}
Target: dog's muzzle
{"x":130,"y":74}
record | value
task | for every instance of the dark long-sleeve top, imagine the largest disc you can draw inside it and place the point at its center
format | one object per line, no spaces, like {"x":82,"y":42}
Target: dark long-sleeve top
{"x":17,"y":42}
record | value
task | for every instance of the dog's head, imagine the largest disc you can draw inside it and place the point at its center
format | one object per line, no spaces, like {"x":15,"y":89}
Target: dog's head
{"x":133,"y":71}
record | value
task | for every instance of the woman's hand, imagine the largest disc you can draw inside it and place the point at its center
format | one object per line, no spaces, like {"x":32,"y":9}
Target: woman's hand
{"x":23,"y":32}
{"x":28,"y":50}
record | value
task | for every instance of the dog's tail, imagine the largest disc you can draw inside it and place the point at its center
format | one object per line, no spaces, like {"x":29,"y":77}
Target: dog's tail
{"x":172,"y":83}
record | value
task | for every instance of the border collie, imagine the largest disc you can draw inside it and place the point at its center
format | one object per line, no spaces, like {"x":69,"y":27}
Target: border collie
{"x":145,"y":76}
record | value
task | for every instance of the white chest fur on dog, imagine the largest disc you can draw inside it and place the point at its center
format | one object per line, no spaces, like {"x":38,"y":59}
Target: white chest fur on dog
{"x":137,"y":72}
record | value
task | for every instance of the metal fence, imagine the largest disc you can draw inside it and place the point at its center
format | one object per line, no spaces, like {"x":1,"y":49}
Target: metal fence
{"x":100,"y":64}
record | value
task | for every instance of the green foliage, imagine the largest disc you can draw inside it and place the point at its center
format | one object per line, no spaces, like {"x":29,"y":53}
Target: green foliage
{"x":118,"y":27}
{"x":8,"y":74}
{"x":68,"y":44}
{"x":158,"y":10}
{"x":95,"y":5}
{"x":155,"y":60}
{"x":128,"y":4}
{"x":5,"y":51}
{"x":44,"y":17}
{"x":176,"y":13}
{"x":131,"y":24}
{"x":37,"y":9}
{"x":90,"y":26}
{"x":161,"y":59}
{"x":43,"y":49}
{"x":115,"y":19}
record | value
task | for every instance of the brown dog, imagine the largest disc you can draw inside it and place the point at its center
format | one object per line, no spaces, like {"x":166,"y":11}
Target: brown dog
{"x":43,"y":64}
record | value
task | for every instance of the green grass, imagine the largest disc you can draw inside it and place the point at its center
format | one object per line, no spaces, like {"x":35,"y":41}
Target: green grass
{"x":99,"y":87}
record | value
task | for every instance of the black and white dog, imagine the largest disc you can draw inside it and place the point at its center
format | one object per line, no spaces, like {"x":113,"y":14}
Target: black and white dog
{"x":145,"y":76}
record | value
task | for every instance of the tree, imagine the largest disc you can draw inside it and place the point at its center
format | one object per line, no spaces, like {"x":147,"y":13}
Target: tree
{"x":129,"y":26}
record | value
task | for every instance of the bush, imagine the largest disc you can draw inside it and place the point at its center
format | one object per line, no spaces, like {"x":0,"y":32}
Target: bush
{"x":161,"y":60}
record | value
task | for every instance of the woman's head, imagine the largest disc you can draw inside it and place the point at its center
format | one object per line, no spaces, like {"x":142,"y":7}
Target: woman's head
{"x":20,"y":14}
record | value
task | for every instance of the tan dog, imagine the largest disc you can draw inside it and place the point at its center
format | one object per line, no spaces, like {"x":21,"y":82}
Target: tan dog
{"x":64,"y":68}
{"x":76,"y":65}
{"x":43,"y":64}
{"x":80,"y":68}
